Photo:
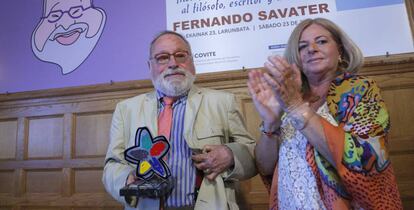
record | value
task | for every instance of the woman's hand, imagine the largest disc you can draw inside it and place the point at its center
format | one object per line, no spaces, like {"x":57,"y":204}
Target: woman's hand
{"x":264,"y":98}
{"x":285,"y":80}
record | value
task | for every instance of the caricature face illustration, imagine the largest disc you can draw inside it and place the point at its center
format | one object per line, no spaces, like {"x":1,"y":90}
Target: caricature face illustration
{"x":67,"y":32}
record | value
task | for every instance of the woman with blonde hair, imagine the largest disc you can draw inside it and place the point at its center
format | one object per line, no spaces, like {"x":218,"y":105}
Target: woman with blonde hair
{"x":324,"y":130}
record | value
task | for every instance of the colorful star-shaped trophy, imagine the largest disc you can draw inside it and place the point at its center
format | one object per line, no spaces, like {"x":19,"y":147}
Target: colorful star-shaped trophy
{"x":152,"y":171}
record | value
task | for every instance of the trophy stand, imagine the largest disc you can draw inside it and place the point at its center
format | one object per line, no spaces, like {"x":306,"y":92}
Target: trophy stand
{"x":153,"y":188}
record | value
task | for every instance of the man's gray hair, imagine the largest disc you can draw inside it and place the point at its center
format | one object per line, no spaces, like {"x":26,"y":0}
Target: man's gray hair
{"x":162,"y":33}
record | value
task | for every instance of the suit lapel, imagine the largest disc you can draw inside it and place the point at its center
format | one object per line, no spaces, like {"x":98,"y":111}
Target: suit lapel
{"x":150,"y":112}
{"x":193,"y":105}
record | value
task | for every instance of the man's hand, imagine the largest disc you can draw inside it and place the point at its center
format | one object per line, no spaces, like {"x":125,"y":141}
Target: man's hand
{"x":131,"y":179}
{"x":214,"y":160}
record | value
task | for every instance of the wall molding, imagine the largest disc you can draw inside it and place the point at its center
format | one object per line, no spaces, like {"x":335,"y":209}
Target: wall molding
{"x":378,"y":65}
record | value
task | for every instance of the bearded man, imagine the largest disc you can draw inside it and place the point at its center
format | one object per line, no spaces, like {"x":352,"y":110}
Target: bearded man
{"x":203,"y":120}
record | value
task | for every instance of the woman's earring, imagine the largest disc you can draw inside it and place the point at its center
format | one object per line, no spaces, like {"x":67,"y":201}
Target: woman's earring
{"x":340,"y":60}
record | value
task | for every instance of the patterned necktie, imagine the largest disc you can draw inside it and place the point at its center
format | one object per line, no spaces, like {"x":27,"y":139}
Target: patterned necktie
{"x":165,"y":118}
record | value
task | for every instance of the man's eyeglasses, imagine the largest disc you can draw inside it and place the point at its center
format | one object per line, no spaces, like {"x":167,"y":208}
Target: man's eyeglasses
{"x":73,"y":12}
{"x":164,"y":58}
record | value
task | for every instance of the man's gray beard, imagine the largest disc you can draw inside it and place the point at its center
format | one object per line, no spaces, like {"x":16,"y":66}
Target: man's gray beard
{"x":174,"y":87}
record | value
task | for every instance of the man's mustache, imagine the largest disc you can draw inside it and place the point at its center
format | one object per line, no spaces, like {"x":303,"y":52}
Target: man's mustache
{"x":171,"y":71}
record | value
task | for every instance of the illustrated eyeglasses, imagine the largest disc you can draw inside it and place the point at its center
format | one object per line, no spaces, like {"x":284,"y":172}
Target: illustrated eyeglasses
{"x":164,"y":58}
{"x":73,"y":12}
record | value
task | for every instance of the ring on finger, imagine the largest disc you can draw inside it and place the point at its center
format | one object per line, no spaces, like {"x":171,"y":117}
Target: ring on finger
{"x":207,"y":171}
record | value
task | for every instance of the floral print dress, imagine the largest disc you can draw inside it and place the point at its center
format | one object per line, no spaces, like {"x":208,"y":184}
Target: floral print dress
{"x":363,"y":177}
